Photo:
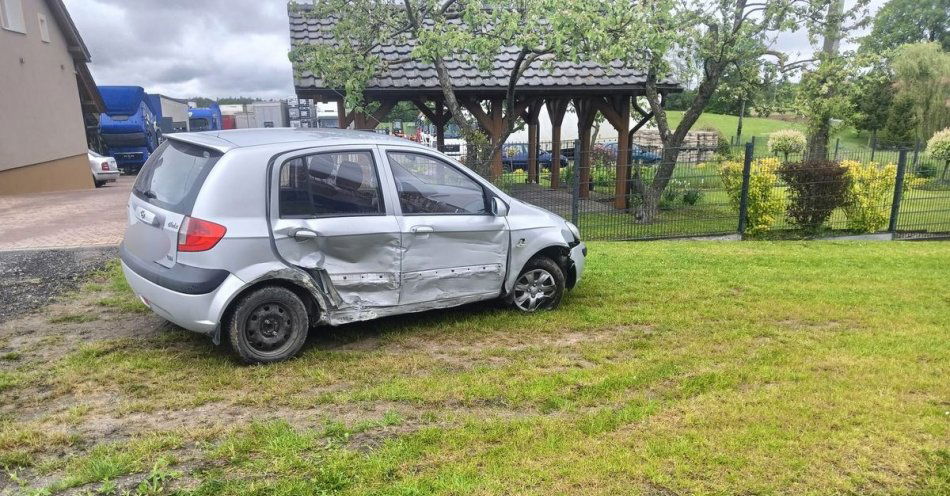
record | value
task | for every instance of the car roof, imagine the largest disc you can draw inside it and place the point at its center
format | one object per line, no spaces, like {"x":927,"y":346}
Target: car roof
{"x":240,"y":138}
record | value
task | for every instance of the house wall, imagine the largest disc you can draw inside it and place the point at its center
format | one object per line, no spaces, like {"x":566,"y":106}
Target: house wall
{"x":41,"y":124}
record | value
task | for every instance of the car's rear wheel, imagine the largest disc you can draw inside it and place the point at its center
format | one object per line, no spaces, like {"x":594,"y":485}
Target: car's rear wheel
{"x":268,"y":325}
{"x":540,"y":286}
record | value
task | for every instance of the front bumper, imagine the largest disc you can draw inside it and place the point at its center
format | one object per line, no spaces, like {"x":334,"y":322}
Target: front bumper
{"x":579,"y":257}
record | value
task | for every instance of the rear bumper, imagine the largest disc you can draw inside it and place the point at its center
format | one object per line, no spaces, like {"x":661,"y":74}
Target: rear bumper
{"x":109,"y":176}
{"x":198,"y":311}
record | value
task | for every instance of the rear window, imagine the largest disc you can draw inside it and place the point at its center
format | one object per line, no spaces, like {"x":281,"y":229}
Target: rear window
{"x":173,"y":175}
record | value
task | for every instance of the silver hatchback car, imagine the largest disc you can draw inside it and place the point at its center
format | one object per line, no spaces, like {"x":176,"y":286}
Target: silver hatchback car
{"x":262,"y":234}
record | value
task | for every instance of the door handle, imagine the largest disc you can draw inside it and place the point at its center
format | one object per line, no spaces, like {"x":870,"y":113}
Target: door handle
{"x":304,"y":234}
{"x":422,"y":229}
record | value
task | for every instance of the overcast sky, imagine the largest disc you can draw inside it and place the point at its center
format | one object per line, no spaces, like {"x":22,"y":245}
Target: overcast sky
{"x":213,"y":48}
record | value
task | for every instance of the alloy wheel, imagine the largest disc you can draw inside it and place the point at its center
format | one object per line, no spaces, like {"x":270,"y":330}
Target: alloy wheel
{"x":534,"y":290}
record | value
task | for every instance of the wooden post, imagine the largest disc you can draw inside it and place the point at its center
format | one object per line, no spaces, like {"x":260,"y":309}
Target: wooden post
{"x":616,"y":109}
{"x":366,"y":121}
{"x":586,"y":113}
{"x":495,"y":134}
{"x":341,"y":114}
{"x":556,"y":109}
{"x":530,"y":116}
{"x":440,"y":116}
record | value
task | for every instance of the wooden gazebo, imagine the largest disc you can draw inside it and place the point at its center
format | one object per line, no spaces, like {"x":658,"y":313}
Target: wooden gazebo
{"x":592,"y":88}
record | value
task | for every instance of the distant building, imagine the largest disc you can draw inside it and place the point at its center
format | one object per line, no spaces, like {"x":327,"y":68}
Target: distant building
{"x":49,"y":104}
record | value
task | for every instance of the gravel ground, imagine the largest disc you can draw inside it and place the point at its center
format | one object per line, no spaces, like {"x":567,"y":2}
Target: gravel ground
{"x":32,"y":279}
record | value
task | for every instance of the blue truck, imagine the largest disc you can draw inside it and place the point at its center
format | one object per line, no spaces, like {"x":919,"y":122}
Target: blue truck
{"x":128,"y":127}
{"x":205,"y":118}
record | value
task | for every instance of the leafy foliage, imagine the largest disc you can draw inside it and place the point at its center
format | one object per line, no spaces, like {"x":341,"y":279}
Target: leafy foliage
{"x":872,"y":92}
{"x":939,"y":145}
{"x":765,"y":205}
{"x":922,"y":71}
{"x":900,"y":22}
{"x":820,"y":99}
{"x":788,"y":141}
{"x":870,"y":188}
{"x":816,"y":189}
{"x":901,"y":123}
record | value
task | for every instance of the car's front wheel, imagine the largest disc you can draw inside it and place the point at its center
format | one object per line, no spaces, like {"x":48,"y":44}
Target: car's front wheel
{"x":540,"y":286}
{"x":268,"y":325}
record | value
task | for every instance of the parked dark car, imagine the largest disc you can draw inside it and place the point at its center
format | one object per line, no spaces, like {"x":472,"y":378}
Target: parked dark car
{"x":637,"y":154}
{"x":515,"y":156}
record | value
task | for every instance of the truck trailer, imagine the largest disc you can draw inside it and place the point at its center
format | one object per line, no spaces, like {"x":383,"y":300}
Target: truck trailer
{"x":128,"y":127}
{"x":205,"y":118}
{"x":172,"y":113}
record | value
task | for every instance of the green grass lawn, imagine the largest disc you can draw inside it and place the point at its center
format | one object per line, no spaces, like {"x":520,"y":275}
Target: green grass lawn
{"x":675,"y":368}
{"x":760,"y":127}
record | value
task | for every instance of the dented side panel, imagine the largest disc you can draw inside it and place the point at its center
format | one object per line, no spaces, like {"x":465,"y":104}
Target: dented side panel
{"x":359,"y":256}
{"x":462,"y":255}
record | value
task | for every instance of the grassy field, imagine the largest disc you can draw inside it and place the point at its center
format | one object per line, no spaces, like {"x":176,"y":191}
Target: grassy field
{"x":760,"y":127}
{"x":675,"y":368}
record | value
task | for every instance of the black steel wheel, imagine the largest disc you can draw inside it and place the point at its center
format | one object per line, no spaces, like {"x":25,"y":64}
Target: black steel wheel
{"x":540,"y":286}
{"x":269,"y":325}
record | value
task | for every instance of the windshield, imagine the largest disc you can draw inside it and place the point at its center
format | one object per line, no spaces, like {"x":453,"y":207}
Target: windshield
{"x":452,"y":131}
{"x":200,"y":124}
{"x":173,"y":175}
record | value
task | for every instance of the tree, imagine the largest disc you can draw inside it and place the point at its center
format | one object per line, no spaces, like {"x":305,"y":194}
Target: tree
{"x":822,"y":98}
{"x":719,"y":34}
{"x":871,"y":96}
{"x":466,"y":31}
{"x":900,"y":22}
{"x":922,"y":71}
{"x":901,"y":124}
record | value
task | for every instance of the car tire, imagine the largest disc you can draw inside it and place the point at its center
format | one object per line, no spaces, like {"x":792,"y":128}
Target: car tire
{"x":99,"y":184}
{"x":268,"y":325}
{"x":539,"y":286}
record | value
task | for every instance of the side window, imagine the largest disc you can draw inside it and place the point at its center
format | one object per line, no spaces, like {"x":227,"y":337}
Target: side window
{"x":330,"y":185}
{"x":427,"y":185}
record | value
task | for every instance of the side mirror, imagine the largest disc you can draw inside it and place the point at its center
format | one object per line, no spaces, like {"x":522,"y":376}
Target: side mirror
{"x":499,"y":208}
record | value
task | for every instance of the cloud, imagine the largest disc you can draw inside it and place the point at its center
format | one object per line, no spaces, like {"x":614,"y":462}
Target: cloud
{"x":186,"y":48}
{"x":218,"y":48}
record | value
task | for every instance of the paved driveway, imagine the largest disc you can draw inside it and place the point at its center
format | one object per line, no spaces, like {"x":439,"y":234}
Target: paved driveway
{"x":66,"y":219}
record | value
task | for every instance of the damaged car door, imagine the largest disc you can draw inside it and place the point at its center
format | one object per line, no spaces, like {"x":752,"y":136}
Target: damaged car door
{"x":334,"y":222}
{"x":454,"y":247}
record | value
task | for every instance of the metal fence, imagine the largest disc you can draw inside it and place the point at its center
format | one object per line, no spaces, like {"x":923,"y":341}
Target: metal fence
{"x":708,"y":192}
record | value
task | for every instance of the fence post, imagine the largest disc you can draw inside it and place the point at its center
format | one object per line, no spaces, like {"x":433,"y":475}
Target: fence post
{"x":837,"y":147}
{"x":576,"y":184}
{"x":898,"y":190}
{"x":916,"y":156}
{"x":744,"y":196}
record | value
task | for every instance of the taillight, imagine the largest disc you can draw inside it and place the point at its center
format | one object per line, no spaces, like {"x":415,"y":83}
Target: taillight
{"x":199,"y":235}
{"x":105,"y":166}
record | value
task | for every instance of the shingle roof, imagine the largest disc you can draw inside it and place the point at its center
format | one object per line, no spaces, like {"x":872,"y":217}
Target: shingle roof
{"x":405,"y":75}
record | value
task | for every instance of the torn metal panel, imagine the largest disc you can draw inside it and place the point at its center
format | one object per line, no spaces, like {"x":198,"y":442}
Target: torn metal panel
{"x":360,"y":257}
{"x":349,"y":315}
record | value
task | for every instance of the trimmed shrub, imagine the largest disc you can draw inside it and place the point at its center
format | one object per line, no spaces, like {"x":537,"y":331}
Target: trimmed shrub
{"x":870,"y":189}
{"x":939,"y":148}
{"x":787,"y":142}
{"x":765,"y":202}
{"x":816,"y":189}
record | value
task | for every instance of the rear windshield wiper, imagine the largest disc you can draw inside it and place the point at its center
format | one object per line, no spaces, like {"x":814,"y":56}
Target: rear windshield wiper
{"x":147,"y":193}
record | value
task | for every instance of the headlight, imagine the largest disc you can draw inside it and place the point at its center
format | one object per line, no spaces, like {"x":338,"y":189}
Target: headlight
{"x":574,"y":230}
